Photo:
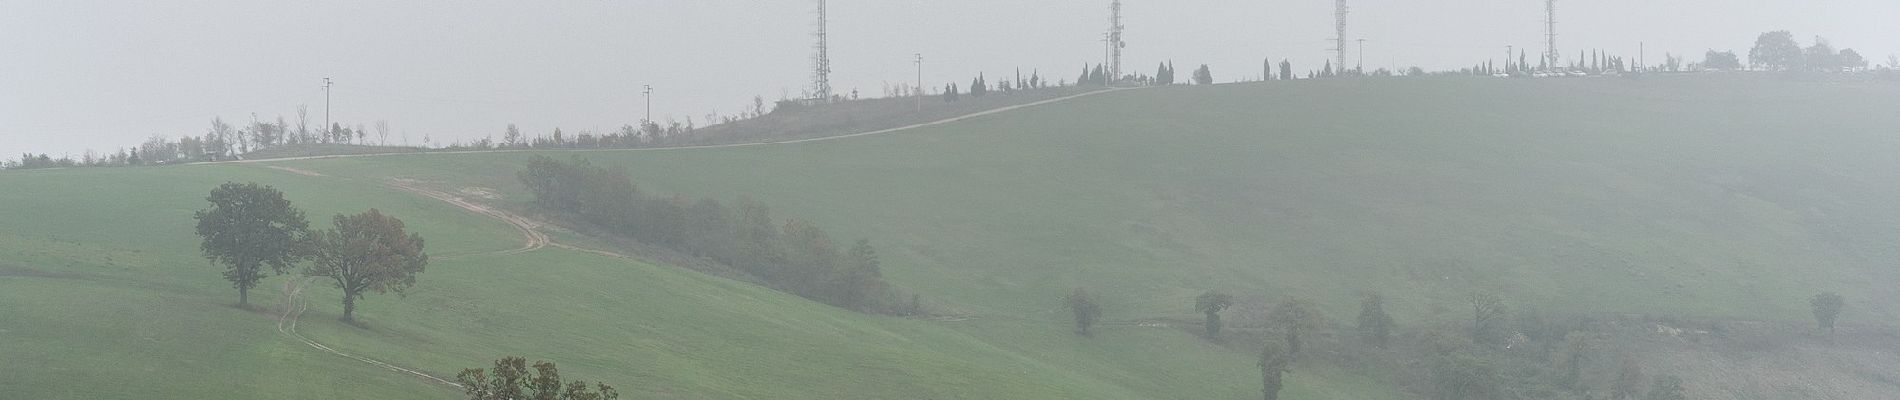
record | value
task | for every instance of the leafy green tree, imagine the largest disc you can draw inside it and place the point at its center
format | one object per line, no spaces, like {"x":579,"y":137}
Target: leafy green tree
{"x":512,"y":136}
{"x":1775,"y":50}
{"x":1827,"y":308}
{"x":250,"y":228}
{"x":1576,"y":352}
{"x":1286,"y":69}
{"x":1375,"y":326}
{"x":1275,"y":362}
{"x":1203,"y":76}
{"x":1162,"y":77}
{"x":1667,"y":387}
{"x":1721,"y":60}
{"x":1211,"y":304}
{"x":366,"y":253}
{"x":1821,"y":57}
{"x":979,"y":87}
{"x":510,"y":379}
{"x":1487,"y":311}
{"x":860,"y":276}
{"x":1293,"y":317}
{"x":1849,"y":58}
{"x":1086,"y":311}
{"x":1462,"y":376}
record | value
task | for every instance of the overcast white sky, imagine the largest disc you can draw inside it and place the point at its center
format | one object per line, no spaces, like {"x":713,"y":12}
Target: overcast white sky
{"x":79,"y":74}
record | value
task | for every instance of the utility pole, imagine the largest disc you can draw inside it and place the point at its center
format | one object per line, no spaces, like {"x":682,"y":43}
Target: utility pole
{"x":1115,"y":45}
{"x":1550,"y":33}
{"x":649,"y":95}
{"x":920,"y":82}
{"x":1361,"y":68}
{"x":1339,"y":24}
{"x":821,"y":62}
{"x":327,"y":132}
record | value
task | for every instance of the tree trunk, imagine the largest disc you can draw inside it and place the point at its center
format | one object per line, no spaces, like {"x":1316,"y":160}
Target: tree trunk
{"x":349,"y":307}
{"x":1292,"y":342}
{"x":1213,"y":326}
{"x":244,"y":296}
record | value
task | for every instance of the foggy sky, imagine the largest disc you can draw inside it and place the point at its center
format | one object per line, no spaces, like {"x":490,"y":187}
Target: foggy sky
{"x":79,"y":74}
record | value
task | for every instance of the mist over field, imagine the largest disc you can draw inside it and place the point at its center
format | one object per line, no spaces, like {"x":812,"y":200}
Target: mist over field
{"x":1356,"y":199}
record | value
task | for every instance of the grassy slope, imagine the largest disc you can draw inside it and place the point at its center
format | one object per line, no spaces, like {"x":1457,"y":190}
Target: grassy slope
{"x":1694,"y":195}
{"x":120,"y":306}
{"x":1705,"y":195}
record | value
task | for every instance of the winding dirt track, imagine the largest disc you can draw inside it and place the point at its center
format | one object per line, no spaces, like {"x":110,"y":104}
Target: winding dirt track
{"x":532,"y":240}
{"x":294,"y":306}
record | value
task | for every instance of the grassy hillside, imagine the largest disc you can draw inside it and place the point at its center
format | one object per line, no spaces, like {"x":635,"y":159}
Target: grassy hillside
{"x":1704,"y":195}
{"x":106,"y":298}
{"x":1708,"y":196}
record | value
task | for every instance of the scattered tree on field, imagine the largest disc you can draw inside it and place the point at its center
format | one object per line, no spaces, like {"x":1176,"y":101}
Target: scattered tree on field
{"x":1275,"y":362}
{"x":1375,"y":326}
{"x":1286,"y":69}
{"x":1849,"y":58}
{"x":512,"y":136}
{"x":1827,"y":308}
{"x":1721,"y":60}
{"x":1575,"y":354}
{"x":1775,"y":50}
{"x":365,"y":253}
{"x":1292,"y":317}
{"x":1487,"y":309}
{"x":510,"y":379}
{"x":1086,"y":311}
{"x":250,"y":228}
{"x":1463,"y":376}
{"x":1202,"y":76}
{"x":979,"y":87}
{"x":1211,"y":304}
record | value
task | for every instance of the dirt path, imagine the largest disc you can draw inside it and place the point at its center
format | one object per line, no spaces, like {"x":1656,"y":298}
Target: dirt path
{"x":713,"y":146}
{"x":295,"y":171}
{"x":294,"y":304}
{"x":532,"y":239}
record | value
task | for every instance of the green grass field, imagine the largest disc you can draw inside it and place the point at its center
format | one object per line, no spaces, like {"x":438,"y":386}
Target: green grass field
{"x":1709,"y":196}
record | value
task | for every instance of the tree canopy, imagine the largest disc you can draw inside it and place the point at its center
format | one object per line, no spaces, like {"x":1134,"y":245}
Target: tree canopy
{"x":1086,"y":311}
{"x":1827,"y":308}
{"x":247,"y":229}
{"x":366,"y":253}
{"x":511,"y":379}
{"x":1211,"y":304}
{"x":1775,"y":50}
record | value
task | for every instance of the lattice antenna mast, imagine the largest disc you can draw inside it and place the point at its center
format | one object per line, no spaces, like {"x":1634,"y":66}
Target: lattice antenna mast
{"x":1550,"y":33}
{"x":821,"y":62}
{"x":1114,"y":54}
{"x":1339,"y":40}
